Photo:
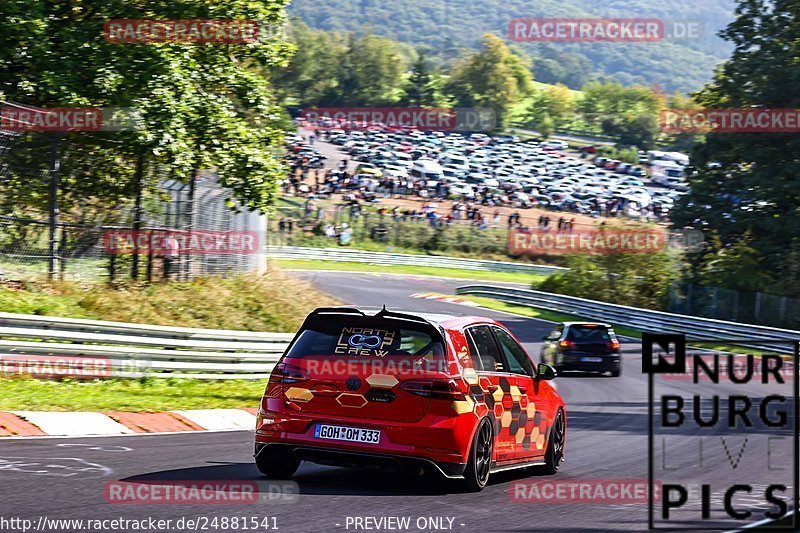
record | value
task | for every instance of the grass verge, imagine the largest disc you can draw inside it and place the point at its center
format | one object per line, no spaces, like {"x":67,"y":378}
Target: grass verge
{"x":509,"y":277}
{"x":543,"y":314}
{"x":128,"y":394}
{"x":273,"y":302}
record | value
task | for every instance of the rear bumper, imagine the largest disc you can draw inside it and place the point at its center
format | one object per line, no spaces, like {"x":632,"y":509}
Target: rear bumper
{"x":435,"y":441}
{"x":577,"y":362}
{"x":337,"y":457}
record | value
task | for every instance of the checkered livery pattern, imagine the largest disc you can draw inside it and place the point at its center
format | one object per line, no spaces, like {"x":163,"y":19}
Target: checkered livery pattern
{"x":515,"y":415}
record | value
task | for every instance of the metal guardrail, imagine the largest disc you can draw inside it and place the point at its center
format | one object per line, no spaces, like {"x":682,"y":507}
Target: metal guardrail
{"x":385,"y":258}
{"x":640,"y":319}
{"x":137,"y":350}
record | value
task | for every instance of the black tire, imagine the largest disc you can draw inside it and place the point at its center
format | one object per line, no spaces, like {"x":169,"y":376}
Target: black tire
{"x":554,"y":455}
{"x":276,"y":463}
{"x":617,"y":371}
{"x":476,"y":475}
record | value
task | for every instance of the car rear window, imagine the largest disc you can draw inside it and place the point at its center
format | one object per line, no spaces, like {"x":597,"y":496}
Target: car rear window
{"x":590,"y":333}
{"x":366,"y":338}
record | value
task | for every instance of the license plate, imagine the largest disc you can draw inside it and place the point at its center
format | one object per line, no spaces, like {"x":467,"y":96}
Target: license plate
{"x":591,"y":359}
{"x":349,"y":434}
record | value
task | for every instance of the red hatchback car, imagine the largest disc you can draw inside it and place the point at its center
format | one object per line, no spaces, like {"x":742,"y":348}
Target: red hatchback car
{"x":458,"y":396}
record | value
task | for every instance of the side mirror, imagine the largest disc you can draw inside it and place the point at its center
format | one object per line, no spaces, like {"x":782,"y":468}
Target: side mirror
{"x":546,"y":372}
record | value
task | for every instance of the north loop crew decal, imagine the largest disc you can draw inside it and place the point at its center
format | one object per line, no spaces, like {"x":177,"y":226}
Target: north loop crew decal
{"x":365,"y":341}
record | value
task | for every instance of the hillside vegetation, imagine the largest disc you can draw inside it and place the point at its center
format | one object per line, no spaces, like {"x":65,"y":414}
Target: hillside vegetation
{"x":442,"y":28}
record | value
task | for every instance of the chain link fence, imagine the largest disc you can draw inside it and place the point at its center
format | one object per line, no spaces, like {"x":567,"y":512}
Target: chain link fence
{"x":51,"y":227}
{"x":25,"y":253}
{"x":88,"y":252}
{"x":737,"y":306}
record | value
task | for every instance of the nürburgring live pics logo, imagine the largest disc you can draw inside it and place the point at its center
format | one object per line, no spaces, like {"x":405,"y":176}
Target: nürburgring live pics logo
{"x":723,"y":449}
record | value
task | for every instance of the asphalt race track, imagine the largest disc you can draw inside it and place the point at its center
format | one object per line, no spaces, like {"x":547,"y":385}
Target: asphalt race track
{"x":606,"y":430}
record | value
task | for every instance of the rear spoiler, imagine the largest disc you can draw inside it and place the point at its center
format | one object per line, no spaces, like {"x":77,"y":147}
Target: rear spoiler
{"x":383,"y":313}
{"x":335,"y":311}
{"x":344,"y":312}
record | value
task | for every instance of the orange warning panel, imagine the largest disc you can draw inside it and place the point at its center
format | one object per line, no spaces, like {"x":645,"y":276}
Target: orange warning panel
{"x":154,"y":422}
{"x":12,"y":425}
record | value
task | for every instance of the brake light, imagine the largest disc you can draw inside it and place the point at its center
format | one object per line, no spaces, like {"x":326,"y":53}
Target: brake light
{"x":283,"y":373}
{"x":614,"y":344}
{"x":437,"y":389}
{"x":567,"y":344}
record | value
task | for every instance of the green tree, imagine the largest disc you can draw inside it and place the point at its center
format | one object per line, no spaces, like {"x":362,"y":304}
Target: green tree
{"x":734,"y":266}
{"x":753,"y":186}
{"x":630,"y":114}
{"x":200,"y":106}
{"x":310,"y":78}
{"x":684,"y":141}
{"x":640,"y":280}
{"x":371,"y":72}
{"x":546,"y":126}
{"x":424,"y":86}
{"x":556,"y":65}
{"x":494,"y":77}
{"x":640,"y":131}
{"x":551,"y":108}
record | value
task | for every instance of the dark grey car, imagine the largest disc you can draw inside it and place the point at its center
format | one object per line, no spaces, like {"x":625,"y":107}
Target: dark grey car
{"x":584,"y":346}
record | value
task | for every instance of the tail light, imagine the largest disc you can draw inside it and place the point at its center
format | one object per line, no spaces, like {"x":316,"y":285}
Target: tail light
{"x":613,"y":344}
{"x":437,"y":389}
{"x":567,"y":344}
{"x":283,"y":373}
